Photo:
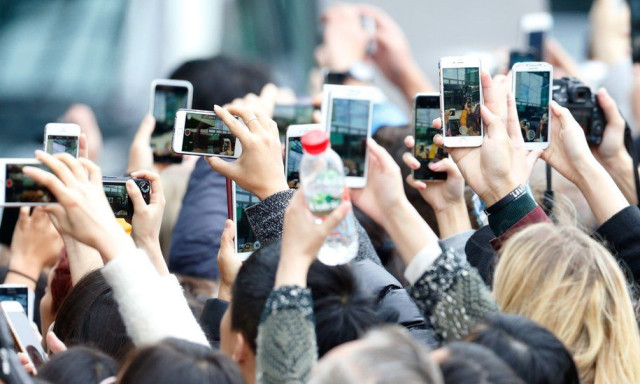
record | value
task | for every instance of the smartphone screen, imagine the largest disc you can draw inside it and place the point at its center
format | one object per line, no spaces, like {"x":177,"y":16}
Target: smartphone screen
{"x":19,"y":188}
{"x":427,"y":109}
{"x":62,"y":144}
{"x":167,"y":100}
{"x":286,"y":115}
{"x":246,"y":239}
{"x":461,"y":95}
{"x":349,"y":129}
{"x":18,"y":294}
{"x":207,"y":134}
{"x":294,"y":156}
{"x":532,"y":102}
{"x":635,"y":29}
{"x":118,"y":198}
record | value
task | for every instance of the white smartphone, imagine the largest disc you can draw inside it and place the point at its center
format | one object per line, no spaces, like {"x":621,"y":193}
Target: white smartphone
{"x":532,"y":88}
{"x":203,"y":133}
{"x":20,"y":294}
{"x":20,"y":190}
{"x":62,"y":138}
{"x":461,"y":101}
{"x":23,"y":333}
{"x":534,"y":27}
{"x":238,"y":199}
{"x":293,"y":152}
{"x":348,"y":120}
{"x":167,"y":96}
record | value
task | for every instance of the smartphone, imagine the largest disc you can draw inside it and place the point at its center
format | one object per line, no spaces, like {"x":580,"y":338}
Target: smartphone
{"x":348,"y":121}
{"x":18,"y":293}
{"x":203,"y":133}
{"x":167,"y":96}
{"x":534,"y":28}
{"x":426,"y":108}
{"x":635,"y":29}
{"x":20,"y":190}
{"x":62,"y":138}
{"x":294,"y":114}
{"x":23,"y":333}
{"x":461,"y":101}
{"x":115,"y":189}
{"x":533,"y":87}
{"x":517,"y":56}
{"x":293,"y":152}
{"x":238,"y":199}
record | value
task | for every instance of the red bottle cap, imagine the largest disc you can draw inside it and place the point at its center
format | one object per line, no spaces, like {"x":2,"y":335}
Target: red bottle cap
{"x":315,"y":142}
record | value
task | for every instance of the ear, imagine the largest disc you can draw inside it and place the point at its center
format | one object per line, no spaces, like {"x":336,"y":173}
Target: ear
{"x":241,"y":348}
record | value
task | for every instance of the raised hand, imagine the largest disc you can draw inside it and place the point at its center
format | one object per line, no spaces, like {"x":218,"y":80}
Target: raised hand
{"x":259,"y":169}
{"x":140,"y":153}
{"x":228,"y":262}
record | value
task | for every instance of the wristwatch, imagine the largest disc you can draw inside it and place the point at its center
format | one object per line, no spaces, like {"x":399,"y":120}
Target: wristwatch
{"x":359,"y":71}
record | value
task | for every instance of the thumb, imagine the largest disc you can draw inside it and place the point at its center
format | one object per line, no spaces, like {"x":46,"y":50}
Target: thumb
{"x":492,"y":123}
{"x":147,"y":126}
{"x":610,"y":108}
{"x":338,"y":214}
{"x":135,"y":195}
{"x":55,"y":345}
{"x":224,"y":168}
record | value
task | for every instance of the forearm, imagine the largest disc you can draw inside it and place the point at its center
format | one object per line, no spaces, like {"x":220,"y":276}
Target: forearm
{"x":621,"y":171}
{"x":602,"y":194}
{"x":409,"y":232}
{"x":152,"y":247}
{"x":82,"y":259}
{"x":413,"y":81}
{"x":18,"y":265}
{"x":453,"y":220}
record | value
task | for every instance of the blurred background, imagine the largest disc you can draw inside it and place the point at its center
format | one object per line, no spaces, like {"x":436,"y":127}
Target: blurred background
{"x":105,"y":53}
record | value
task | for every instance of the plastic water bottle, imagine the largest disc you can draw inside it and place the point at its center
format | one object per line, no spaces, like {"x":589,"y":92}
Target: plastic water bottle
{"x":322,"y":182}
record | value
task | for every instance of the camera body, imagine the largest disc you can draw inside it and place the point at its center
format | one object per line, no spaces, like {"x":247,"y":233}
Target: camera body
{"x":116,"y":192}
{"x":571,"y":93}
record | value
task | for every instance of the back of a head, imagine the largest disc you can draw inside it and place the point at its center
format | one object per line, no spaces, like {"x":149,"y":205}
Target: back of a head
{"x":179,"y":361}
{"x":89,"y":316}
{"x":570,"y":284}
{"x":469,"y":363}
{"x":533,"y":353}
{"x":220,"y":79}
{"x":78,"y":365}
{"x":386,"y":355}
{"x":342,"y":312}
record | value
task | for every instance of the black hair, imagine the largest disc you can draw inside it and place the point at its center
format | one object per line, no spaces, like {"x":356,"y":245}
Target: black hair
{"x":220,"y":79}
{"x":89,"y":316}
{"x":470,"y":363}
{"x":180,"y":361}
{"x":78,"y":365}
{"x":343,"y":313}
{"x":533,"y":352}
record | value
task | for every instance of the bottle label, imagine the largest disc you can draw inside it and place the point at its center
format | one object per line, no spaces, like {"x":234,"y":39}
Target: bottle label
{"x":323,"y":203}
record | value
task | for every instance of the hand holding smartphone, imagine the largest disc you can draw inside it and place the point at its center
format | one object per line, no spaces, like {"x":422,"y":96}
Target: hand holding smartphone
{"x":62,"y":138}
{"x":203,"y":133}
{"x":461,"y":101}
{"x":532,"y":88}
{"x":426,"y":108}
{"x":18,"y":189}
{"x":167,"y":97}
{"x":23,"y":333}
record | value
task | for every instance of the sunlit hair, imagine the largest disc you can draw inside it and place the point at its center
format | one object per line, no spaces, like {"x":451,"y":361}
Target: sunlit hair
{"x":567,"y":282}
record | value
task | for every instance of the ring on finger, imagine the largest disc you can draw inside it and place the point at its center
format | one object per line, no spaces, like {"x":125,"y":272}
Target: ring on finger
{"x":252,"y":119}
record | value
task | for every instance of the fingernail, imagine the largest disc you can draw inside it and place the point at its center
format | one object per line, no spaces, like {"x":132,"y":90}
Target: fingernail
{"x":39,"y":152}
{"x":216,"y":106}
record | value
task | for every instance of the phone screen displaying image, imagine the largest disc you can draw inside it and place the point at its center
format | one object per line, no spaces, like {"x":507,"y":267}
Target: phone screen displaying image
{"x":118,"y":198}
{"x":62,"y":144}
{"x":425,"y":151}
{"x":18,"y":294}
{"x":246,"y":239}
{"x":166,"y":102}
{"x":207,"y":134}
{"x":461,"y":94}
{"x":286,"y":115}
{"x":294,"y":156}
{"x":349,"y":129}
{"x":19,"y":188}
{"x":532,"y":102}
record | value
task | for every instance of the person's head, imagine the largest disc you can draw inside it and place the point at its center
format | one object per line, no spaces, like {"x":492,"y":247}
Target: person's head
{"x":58,"y":287}
{"x":178,"y":361}
{"x":342,"y":312}
{"x":533,"y":353}
{"x":78,"y":365}
{"x":221,"y":79}
{"x":468,"y":363}
{"x":568,"y":283}
{"x":383,"y":356}
{"x":89,"y":316}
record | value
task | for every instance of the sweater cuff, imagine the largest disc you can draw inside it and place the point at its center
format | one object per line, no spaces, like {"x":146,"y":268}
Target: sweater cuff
{"x":131,"y":265}
{"x":421,"y":262}
{"x":533,"y":217}
{"x":288,"y":298}
{"x":457,"y":242}
{"x":267,"y":217}
{"x":507,"y":217}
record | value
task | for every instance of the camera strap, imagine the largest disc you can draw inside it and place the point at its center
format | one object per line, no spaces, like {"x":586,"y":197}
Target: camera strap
{"x":547,"y":203}
{"x":631,"y":149}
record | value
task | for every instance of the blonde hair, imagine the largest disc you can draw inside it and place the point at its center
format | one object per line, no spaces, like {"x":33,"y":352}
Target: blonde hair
{"x":567,"y":282}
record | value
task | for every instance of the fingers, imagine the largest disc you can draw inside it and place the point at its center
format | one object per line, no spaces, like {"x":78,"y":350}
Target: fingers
{"x":239,"y":130}
{"x":57,"y":167}
{"x":492,"y":123}
{"x":83,"y":146}
{"x":94,"y":172}
{"x":437,"y":123}
{"x":76,"y":168}
{"x":331,"y":222}
{"x":23,"y":217}
{"x":410,"y":161}
{"x":135,"y":195}
{"x":488,"y":91}
{"x":54,"y":343}
{"x":227,"y":169}
{"x":413,"y":183}
{"x":409,"y":142}
{"x":385,"y":160}
{"x":610,"y":108}
{"x":446,"y":165}
{"x":49,"y":180}
{"x":513,"y":122}
{"x":146,"y":128}
{"x":249,"y":116}
{"x":268,"y":96}
{"x":157,"y":191}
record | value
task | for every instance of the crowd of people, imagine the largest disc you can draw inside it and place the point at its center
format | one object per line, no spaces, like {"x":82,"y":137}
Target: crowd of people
{"x":438,"y":292}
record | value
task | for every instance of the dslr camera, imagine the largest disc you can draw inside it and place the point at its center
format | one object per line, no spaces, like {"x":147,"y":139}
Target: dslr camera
{"x":571,"y":93}
{"x":116,"y":192}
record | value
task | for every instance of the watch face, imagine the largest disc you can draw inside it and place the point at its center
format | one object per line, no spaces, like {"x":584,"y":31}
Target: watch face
{"x":361,"y":72}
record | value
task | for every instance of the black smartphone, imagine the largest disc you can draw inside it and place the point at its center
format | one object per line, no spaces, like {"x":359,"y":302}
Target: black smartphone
{"x":519,"y":56}
{"x":167,"y":96}
{"x":116,"y":190}
{"x":635,"y":29}
{"x":426,"y":108}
